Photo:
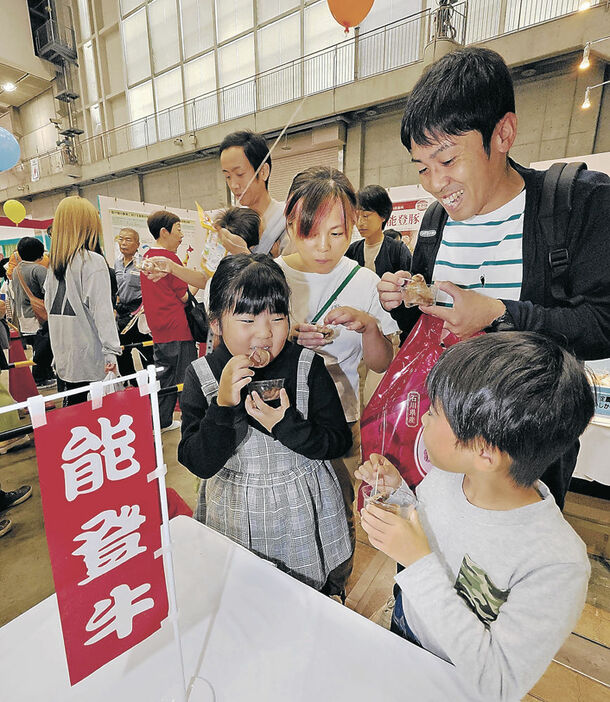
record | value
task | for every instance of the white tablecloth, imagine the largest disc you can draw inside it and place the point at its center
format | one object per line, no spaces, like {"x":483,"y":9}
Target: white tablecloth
{"x":252,"y":632}
{"x":594,"y":456}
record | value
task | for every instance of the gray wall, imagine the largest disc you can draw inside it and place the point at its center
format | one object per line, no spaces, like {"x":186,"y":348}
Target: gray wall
{"x":551,"y":125}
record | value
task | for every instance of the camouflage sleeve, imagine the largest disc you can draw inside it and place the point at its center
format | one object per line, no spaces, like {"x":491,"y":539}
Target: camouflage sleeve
{"x":500,"y":641}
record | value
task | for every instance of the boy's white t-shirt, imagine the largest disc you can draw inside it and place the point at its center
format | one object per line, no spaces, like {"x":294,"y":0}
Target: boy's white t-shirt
{"x":310,"y":291}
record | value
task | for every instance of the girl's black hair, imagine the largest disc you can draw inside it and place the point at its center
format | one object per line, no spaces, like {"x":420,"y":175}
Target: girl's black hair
{"x":468,"y":89}
{"x":518,"y":391}
{"x":310,"y":190}
{"x":248,"y":284}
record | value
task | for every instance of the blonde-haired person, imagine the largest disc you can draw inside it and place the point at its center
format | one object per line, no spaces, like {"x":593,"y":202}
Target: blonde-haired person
{"x":78,"y":299}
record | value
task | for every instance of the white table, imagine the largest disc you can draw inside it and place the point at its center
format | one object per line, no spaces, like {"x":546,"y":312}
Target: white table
{"x":594,"y":456}
{"x":252,"y":631}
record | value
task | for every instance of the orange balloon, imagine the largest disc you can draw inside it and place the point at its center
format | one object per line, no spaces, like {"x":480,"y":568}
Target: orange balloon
{"x":349,"y":13}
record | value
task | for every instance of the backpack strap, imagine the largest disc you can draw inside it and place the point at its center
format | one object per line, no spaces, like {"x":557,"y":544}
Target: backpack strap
{"x":429,"y":239}
{"x":554,"y":217}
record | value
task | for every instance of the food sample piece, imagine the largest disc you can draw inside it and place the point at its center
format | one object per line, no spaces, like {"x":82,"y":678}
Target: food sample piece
{"x":259,"y":358}
{"x":327,"y":331}
{"x":415,"y":292}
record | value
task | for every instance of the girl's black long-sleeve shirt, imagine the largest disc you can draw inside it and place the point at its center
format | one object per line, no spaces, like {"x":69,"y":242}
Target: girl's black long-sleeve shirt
{"x":212,"y":434}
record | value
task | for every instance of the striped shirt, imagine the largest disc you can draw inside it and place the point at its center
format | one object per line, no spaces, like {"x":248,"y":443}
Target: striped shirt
{"x":484,"y":253}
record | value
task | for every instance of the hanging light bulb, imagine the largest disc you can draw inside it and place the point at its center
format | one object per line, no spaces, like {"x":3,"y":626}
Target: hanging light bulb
{"x":586,"y":102}
{"x":585,"y":63}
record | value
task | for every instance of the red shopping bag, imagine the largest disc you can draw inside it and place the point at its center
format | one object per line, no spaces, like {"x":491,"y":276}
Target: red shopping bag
{"x":391,"y":422}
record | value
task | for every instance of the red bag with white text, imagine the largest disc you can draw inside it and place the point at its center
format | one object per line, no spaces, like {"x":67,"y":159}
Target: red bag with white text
{"x":391,"y":422}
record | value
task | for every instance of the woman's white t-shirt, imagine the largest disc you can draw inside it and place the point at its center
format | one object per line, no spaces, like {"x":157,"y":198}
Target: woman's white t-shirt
{"x":310,"y":292}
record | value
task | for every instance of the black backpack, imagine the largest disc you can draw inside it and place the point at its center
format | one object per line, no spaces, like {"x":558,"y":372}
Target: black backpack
{"x":553,"y":215}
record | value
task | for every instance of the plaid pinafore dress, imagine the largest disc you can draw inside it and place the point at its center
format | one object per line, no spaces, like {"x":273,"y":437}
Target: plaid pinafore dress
{"x":277,"y":503}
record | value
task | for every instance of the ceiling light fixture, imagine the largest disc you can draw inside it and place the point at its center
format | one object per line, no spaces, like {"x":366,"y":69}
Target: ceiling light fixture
{"x":586,"y":103}
{"x":586,"y":5}
{"x":585,"y":63}
{"x":9,"y":87}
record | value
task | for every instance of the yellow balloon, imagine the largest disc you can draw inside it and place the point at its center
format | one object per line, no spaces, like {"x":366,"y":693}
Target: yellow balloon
{"x":14,"y":210}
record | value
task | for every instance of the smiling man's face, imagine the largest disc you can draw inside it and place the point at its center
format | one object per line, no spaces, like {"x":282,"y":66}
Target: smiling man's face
{"x":460,"y":174}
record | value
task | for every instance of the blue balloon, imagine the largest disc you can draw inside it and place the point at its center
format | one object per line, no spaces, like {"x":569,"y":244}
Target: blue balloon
{"x":9,"y":150}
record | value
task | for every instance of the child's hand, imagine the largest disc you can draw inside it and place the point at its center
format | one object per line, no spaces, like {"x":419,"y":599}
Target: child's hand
{"x":308,"y":335}
{"x":390,"y":289}
{"x":404,"y":540}
{"x":233,"y":243}
{"x":388,"y":474}
{"x":235,"y":375}
{"x":264,"y":414}
{"x":353,"y":319}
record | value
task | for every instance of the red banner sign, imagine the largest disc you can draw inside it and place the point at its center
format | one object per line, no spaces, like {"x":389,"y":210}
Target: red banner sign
{"x":102,"y":520}
{"x":407,"y":214}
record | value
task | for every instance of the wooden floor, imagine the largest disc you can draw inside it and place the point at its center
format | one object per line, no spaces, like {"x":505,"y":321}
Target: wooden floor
{"x":580,"y":672}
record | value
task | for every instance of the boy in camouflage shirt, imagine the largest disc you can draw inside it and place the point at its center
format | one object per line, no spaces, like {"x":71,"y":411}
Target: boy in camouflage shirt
{"x":493,"y":578}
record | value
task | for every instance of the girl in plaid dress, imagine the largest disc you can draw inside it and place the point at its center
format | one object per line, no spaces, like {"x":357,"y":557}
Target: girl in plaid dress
{"x":268,"y":484}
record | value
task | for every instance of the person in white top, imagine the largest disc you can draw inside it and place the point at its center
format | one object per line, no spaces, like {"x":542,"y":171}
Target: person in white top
{"x":335,"y":308}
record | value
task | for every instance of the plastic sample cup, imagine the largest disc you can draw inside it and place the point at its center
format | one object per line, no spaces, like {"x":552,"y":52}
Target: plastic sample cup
{"x":379,"y":499}
{"x":415,"y":292}
{"x":327,"y":331}
{"x":268,"y":390}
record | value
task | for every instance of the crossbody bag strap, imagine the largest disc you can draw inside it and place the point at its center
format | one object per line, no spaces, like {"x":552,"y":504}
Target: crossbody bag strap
{"x":24,"y":285}
{"x":336,"y":294}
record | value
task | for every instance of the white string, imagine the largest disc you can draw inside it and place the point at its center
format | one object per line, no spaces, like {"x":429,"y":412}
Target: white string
{"x":268,"y":156}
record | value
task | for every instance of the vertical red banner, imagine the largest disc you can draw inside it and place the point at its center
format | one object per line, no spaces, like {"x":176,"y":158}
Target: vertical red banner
{"x":102,"y":521}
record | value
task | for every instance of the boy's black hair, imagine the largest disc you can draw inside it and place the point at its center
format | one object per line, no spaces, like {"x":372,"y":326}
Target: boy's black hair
{"x":518,"y":391}
{"x":254,"y":146}
{"x":374,"y":198}
{"x":30,"y":248}
{"x":248,"y":284}
{"x":393,"y":234}
{"x":161,"y":219}
{"x":468,"y":89}
{"x":243,"y":221}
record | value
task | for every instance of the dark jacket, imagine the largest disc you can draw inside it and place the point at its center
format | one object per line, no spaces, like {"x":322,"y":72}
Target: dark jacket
{"x":585,"y":326}
{"x":393,"y":256}
{"x":211,"y":434}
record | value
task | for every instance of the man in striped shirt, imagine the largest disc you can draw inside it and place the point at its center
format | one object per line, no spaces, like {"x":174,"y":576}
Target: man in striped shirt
{"x":491,"y":262}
